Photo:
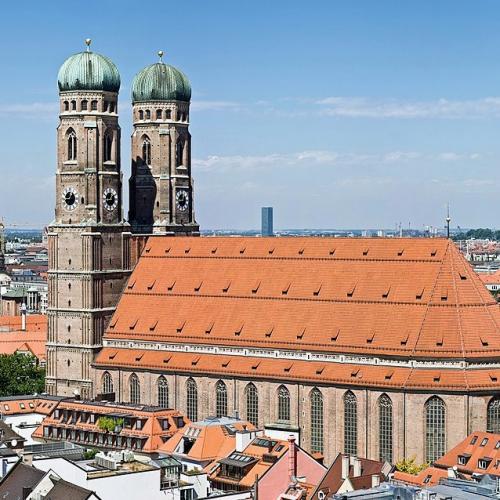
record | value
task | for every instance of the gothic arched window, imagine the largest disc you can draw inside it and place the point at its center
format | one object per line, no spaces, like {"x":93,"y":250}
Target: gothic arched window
{"x":435,"y":429}
{"x":108,"y":147}
{"x":385,"y":428}
{"x":162,"y":392}
{"x":135,"y":389}
{"x":283,"y":404}
{"x":146,"y":150}
{"x":316,"y":421}
{"x":84,"y":105}
{"x":252,"y":398}
{"x":192,"y":400}
{"x":66,"y":106}
{"x":93,"y":105}
{"x":73,"y":105}
{"x":220,"y":399}
{"x":350,"y":424}
{"x":107,"y":383}
{"x":71,"y":137}
{"x":493,"y":416}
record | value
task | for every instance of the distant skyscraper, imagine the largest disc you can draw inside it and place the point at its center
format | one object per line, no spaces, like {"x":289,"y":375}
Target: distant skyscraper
{"x":267,"y":221}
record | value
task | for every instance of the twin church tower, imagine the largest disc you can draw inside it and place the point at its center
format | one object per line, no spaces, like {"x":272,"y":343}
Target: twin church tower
{"x":90,"y":243}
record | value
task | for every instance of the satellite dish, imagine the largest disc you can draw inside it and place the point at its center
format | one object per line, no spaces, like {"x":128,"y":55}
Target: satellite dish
{"x":14,"y":443}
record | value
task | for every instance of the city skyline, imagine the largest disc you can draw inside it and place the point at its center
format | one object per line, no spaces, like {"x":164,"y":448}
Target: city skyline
{"x":358,"y":116}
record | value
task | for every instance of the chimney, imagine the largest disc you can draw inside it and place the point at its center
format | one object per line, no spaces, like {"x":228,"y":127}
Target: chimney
{"x":375,"y":480}
{"x":23,"y":317}
{"x":292,"y":458}
{"x":345,"y":466}
{"x":357,"y":467}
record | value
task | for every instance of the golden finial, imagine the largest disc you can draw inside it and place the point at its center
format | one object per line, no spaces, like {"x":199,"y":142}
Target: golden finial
{"x":88,"y":41}
{"x":160,"y":55}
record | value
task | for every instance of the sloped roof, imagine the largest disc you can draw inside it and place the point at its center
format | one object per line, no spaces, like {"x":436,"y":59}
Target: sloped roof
{"x":33,"y":339}
{"x":405,"y":298}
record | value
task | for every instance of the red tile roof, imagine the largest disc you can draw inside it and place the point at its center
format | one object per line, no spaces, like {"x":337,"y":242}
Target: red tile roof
{"x":479,"y":448}
{"x":410,"y":298}
{"x":33,"y":339}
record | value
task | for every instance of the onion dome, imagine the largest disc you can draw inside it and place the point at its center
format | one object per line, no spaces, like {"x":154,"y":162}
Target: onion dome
{"x":88,"y":71}
{"x":160,"y":82}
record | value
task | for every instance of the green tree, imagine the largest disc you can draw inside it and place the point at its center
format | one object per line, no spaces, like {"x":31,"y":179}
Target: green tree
{"x":410,"y":466}
{"x":20,"y":374}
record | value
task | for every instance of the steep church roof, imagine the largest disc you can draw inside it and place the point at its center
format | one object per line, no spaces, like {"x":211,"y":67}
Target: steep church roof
{"x":390,"y":299}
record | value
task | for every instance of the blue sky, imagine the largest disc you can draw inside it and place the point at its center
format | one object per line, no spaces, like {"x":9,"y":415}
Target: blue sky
{"x":337,"y":113}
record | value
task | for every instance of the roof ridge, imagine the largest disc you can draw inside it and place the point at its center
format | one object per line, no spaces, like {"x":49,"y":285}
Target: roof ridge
{"x":459,"y":317}
{"x":428,"y":306}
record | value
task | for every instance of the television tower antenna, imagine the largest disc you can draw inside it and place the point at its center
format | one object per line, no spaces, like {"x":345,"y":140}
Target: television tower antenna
{"x":448,"y":220}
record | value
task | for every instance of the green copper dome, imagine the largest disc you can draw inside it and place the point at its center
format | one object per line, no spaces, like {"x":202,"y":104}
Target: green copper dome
{"x":88,"y":71}
{"x":160,"y":82}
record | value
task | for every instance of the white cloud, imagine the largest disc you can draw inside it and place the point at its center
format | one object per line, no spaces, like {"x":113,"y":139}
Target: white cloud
{"x":324,"y":158}
{"x":32,"y":109}
{"x":364,"y":107}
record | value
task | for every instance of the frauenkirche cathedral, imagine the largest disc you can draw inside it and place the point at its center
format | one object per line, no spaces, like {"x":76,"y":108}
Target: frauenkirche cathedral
{"x":384,"y":348}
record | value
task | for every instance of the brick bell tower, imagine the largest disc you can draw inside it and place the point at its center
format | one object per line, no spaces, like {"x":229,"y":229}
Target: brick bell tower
{"x":89,"y":259}
{"x":161,"y":185}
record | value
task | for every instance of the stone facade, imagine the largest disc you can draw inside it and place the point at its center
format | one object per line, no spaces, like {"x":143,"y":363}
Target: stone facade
{"x":161,"y":186}
{"x":89,"y":251}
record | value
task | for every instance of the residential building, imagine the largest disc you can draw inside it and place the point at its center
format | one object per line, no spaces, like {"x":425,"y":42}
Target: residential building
{"x":24,"y":482}
{"x":350,"y":473}
{"x":26,"y":334}
{"x":477,"y":455}
{"x":110,"y":426}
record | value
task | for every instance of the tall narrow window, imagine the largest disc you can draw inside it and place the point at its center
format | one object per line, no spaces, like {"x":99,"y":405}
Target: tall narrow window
{"x":435,"y":429}
{"x":66,"y":106}
{"x":168,"y":114}
{"x":493,"y":416}
{"x":192,"y":400}
{"x":148,"y":114}
{"x":71,"y":145}
{"x":107,"y":383}
{"x":220,"y":399}
{"x":385,"y":428}
{"x":162,"y":392}
{"x":179,"y":149}
{"x":283,"y":404}
{"x":73,"y":105}
{"x":158,"y":114}
{"x":141,"y":114}
{"x":146,"y":150}
{"x":135,"y":389}
{"x":350,"y":424}
{"x":108,"y":147}
{"x":84,"y":105}
{"x":317,"y":445}
{"x":252,"y":397}
{"x":93,"y":105}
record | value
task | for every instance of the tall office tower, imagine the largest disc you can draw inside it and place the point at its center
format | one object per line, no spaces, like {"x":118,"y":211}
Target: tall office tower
{"x":267,"y":221}
{"x":88,"y":240}
{"x":161,"y":185}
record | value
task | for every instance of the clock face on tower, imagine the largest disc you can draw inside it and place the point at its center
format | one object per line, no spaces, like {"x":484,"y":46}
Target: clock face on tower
{"x":182,"y":200}
{"x":70,"y":198}
{"x":110,"y":199}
